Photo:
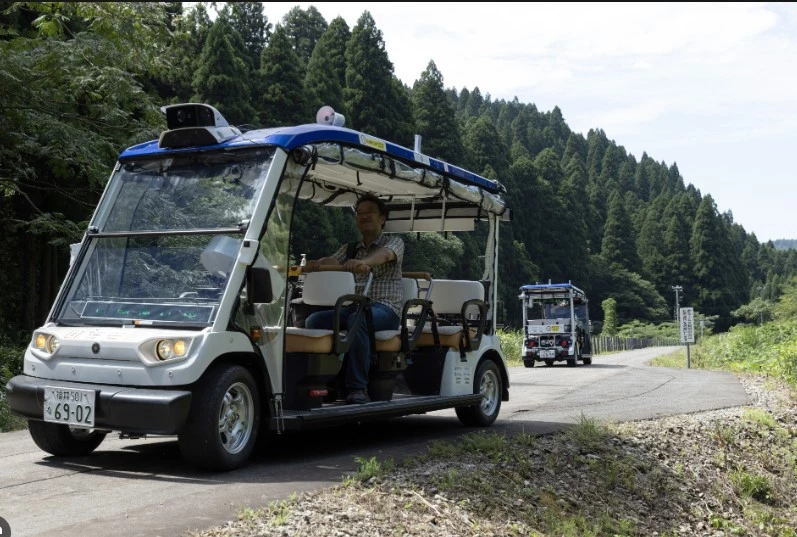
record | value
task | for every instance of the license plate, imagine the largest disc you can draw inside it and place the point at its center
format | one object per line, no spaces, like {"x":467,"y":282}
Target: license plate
{"x":548,"y":353}
{"x":69,"y":406}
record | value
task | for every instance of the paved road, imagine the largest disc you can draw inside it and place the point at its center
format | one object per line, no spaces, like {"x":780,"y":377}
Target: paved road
{"x":143,"y":488}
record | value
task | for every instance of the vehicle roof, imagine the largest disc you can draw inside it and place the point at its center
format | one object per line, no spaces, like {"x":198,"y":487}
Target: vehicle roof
{"x":548,"y":288}
{"x":289,"y":138}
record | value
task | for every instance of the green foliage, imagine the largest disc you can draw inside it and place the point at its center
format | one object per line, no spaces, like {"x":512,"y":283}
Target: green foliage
{"x":618,"y":245}
{"x":719,"y":277}
{"x":370,"y":469}
{"x":326,"y":70}
{"x":751,"y":485}
{"x":511,"y":346}
{"x":11,"y":355}
{"x":82,"y":80}
{"x":370,"y":94}
{"x":587,"y":433}
{"x":282,"y":101}
{"x":638,"y":329}
{"x":222,"y":74}
{"x":304,"y":29}
{"x":70,"y":98}
{"x":434,"y":117}
{"x":786,"y":308}
{"x":609,"y":317}
{"x":770,"y":348}
{"x":756,"y":312}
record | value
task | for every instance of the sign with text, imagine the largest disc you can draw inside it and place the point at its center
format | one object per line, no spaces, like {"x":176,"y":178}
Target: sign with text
{"x":687,"y":325}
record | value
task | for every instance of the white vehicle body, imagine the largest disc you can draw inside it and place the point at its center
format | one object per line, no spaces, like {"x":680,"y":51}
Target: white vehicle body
{"x":175,"y":315}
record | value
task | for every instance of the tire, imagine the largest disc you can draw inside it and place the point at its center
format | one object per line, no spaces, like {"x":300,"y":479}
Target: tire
{"x":571,"y":362}
{"x":528,"y":363}
{"x":488,"y":383}
{"x":549,"y":363}
{"x":63,"y":440}
{"x":221,"y":431}
{"x":587,"y":361}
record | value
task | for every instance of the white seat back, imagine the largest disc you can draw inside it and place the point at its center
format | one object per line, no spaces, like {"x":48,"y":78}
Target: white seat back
{"x":409,"y":288}
{"x":447,"y":296}
{"x":324,"y":288}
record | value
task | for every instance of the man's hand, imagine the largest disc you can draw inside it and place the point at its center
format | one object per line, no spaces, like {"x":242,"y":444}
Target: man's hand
{"x":353,"y":265}
{"x":313,"y":266}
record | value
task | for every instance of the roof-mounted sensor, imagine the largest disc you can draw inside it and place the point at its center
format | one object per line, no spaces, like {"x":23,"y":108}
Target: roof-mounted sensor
{"x":194,"y":124}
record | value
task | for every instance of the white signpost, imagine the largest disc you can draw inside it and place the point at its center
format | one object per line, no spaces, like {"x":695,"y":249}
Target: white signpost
{"x":687,"y":322}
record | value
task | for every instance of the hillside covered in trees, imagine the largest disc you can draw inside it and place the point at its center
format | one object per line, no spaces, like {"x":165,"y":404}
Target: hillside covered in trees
{"x":81,"y":81}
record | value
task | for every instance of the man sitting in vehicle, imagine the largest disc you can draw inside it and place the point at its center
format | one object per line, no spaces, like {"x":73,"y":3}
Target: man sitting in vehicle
{"x":384,"y":255}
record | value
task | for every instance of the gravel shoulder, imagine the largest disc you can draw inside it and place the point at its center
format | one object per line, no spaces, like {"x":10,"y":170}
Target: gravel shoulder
{"x":722,"y":472}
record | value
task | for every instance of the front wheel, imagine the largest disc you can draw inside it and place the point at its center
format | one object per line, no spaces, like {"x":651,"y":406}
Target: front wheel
{"x":487,"y":383}
{"x":63,"y":440}
{"x":225,"y":416}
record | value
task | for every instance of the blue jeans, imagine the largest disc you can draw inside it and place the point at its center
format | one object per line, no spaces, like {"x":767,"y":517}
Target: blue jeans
{"x":360,"y":351}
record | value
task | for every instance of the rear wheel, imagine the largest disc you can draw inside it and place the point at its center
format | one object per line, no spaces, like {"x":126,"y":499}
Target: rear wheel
{"x":528,"y":362}
{"x":487,"y":382}
{"x":225,"y":417}
{"x":587,"y":361}
{"x":573,"y":360}
{"x":63,"y":440}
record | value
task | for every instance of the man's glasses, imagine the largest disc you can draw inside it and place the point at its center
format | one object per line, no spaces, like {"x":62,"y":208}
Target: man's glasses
{"x":363,"y":213}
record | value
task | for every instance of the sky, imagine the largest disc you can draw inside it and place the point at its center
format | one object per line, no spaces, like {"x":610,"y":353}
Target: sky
{"x":710,"y":87}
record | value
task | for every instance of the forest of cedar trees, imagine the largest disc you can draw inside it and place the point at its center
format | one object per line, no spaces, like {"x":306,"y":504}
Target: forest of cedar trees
{"x":81,"y":81}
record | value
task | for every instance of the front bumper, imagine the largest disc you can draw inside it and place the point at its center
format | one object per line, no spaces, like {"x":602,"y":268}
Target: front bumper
{"x":121,"y":408}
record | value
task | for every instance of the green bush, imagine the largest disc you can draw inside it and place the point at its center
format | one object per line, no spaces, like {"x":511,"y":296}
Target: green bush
{"x":511,"y":345}
{"x":11,"y":355}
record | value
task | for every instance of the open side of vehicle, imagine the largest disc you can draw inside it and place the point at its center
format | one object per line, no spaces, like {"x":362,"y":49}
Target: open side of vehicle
{"x":176,"y":315}
{"x":556,"y":324}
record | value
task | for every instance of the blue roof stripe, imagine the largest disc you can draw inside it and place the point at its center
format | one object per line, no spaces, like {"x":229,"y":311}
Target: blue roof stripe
{"x":546,"y":286}
{"x":289,"y":138}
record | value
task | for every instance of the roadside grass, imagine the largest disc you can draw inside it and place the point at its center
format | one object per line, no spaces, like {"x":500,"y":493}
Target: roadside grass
{"x":511,"y":346}
{"x":769,"y":350}
{"x":591,"y":479}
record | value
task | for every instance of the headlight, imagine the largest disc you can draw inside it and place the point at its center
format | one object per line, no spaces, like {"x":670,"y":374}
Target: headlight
{"x":46,"y":343}
{"x":167,"y":349}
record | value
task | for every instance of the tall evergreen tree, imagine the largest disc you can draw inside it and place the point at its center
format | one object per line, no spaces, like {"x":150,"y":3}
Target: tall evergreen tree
{"x":716,"y":269}
{"x":484,"y":147}
{"x":372,"y":97}
{"x":283,"y":99}
{"x":253,"y":26}
{"x":650,"y":245}
{"x":222,"y":75}
{"x":434,"y":118}
{"x":304,"y":28}
{"x":326,"y":71}
{"x":619,"y":243}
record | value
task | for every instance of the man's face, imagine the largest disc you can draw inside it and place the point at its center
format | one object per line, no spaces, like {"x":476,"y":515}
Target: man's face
{"x":368,"y":218}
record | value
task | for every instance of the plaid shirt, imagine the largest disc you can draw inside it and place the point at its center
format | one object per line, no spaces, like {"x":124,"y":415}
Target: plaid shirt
{"x":386,"y":287}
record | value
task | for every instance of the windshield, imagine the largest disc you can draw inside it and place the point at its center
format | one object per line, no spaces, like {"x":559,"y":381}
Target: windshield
{"x":166,"y":240}
{"x":540,"y":310}
{"x":197,"y":191}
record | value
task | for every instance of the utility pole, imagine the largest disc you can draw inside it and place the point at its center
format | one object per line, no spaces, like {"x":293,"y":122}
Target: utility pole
{"x":677,"y":289}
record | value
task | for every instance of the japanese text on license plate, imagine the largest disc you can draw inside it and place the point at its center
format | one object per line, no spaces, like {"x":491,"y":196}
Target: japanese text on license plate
{"x":69,"y":406}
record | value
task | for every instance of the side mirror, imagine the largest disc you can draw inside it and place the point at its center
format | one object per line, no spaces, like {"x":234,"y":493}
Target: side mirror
{"x":258,"y":285}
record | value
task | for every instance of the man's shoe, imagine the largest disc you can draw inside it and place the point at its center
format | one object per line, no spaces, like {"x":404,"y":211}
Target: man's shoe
{"x":357,"y":397}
